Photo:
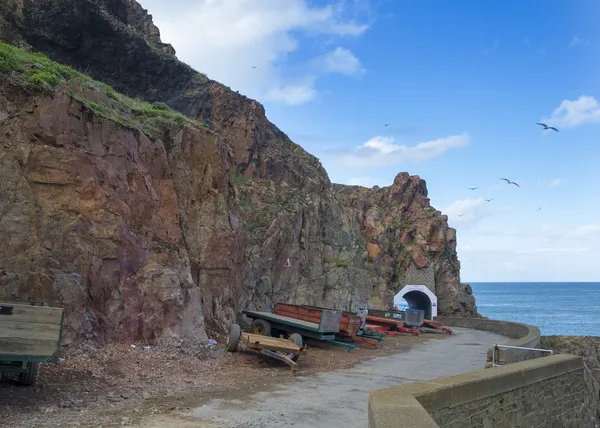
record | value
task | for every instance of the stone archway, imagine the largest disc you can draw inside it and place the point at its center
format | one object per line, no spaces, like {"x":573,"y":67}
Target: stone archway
{"x":418,"y":297}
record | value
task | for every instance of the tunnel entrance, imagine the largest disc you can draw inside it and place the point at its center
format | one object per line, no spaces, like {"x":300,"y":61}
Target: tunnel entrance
{"x":418,"y":297}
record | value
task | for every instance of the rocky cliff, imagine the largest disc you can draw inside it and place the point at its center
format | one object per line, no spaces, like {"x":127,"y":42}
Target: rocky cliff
{"x":127,"y":212}
{"x":587,"y":347}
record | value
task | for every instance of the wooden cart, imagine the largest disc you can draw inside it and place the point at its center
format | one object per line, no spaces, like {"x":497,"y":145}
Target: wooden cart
{"x":286,"y":350}
{"x":299,"y":320}
{"x":350,"y":326}
{"x":30,"y":334}
{"x":389,"y":326}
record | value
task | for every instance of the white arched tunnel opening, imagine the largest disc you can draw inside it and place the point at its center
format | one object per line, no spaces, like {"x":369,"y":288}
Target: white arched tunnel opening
{"x":418,"y":297}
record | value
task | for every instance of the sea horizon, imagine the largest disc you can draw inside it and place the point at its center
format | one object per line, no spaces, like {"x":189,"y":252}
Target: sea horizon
{"x":555,"y":307}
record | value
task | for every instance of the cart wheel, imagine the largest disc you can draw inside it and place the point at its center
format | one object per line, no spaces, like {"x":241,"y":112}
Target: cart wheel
{"x":31,"y":375}
{"x":261,"y":327}
{"x":234,"y":337}
{"x":297,"y":340}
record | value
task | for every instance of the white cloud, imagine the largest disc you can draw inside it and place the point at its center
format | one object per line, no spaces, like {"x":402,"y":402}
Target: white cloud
{"x":572,"y":113}
{"x":342,"y":61}
{"x":561,"y":250}
{"x":585,"y":232}
{"x":383,"y":151}
{"x":226,"y":38}
{"x":466,"y":213}
{"x":579,"y":42}
{"x":551,"y":183}
{"x":296,"y":93}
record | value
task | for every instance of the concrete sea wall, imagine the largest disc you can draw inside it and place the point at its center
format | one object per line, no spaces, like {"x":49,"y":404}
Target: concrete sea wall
{"x":540,"y":393}
{"x":527,"y":390}
{"x":524,"y":335}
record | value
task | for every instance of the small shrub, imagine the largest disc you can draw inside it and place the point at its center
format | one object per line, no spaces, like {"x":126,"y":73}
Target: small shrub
{"x":160,"y":106}
{"x":45,"y":79}
{"x":8,"y":60}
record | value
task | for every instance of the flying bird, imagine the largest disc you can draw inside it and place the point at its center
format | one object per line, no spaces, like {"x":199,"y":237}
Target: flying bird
{"x":510,"y":182}
{"x":539,"y":209}
{"x":473,"y":188}
{"x":489,"y":200}
{"x":460,"y":215}
{"x":253,"y":66}
{"x":547,"y":127}
{"x":386,"y":124}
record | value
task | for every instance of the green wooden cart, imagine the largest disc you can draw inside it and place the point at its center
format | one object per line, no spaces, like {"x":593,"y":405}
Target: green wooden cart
{"x":30,"y":334}
{"x":271,"y":324}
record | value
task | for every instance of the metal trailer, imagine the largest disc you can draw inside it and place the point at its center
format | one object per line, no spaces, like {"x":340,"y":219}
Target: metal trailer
{"x":30,"y":334}
{"x":351,"y":328}
{"x":380,"y":313}
{"x":324,"y":328}
{"x":286,"y":350}
{"x":389,"y":326}
{"x":412,"y":319}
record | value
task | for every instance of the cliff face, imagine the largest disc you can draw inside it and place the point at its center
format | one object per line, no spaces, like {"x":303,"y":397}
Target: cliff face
{"x":588,"y":348}
{"x":206,"y":216}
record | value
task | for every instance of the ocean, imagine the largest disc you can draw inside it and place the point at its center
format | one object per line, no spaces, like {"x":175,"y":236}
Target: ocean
{"x":556,"y":308}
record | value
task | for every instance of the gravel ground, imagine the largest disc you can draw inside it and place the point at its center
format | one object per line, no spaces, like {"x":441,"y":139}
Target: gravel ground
{"x":121,"y":384}
{"x":339,"y":398}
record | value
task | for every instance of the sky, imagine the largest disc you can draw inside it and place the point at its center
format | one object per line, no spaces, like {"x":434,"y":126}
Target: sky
{"x":449,"y":91}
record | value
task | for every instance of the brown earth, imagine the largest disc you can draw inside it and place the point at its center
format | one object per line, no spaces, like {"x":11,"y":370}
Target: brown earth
{"x":119,"y":384}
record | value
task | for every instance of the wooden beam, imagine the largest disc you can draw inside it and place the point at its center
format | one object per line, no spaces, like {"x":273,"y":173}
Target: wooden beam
{"x":31,"y":314}
{"x":28,"y":347}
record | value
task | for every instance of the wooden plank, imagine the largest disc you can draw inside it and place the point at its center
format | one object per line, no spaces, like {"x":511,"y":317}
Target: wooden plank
{"x":269,"y":316}
{"x":385,"y":321}
{"x":33,"y":331}
{"x":32,"y":314}
{"x":329,"y":319}
{"x":28,"y":347}
{"x":281,"y":357}
{"x":297,"y":316}
{"x":257,"y":341}
{"x":299,"y":310}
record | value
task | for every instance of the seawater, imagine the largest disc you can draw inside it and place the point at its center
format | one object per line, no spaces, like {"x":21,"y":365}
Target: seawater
{"x":556,"y":308}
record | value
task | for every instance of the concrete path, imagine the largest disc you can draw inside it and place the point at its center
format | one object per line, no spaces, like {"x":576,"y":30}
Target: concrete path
{"x":340,"y":399}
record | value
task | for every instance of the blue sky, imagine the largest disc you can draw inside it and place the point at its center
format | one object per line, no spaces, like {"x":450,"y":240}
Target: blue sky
{"x":461,"y":84}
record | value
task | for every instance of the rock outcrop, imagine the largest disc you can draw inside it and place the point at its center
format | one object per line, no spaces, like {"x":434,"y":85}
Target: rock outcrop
{"x":176,"y":222}
{"x":587,"y":347}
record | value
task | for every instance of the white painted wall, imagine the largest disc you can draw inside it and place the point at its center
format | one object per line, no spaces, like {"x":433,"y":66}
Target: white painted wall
{"x":423,"y":289}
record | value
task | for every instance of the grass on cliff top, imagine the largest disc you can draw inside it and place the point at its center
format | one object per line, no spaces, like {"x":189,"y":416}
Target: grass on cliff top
{"x":38,"y":71}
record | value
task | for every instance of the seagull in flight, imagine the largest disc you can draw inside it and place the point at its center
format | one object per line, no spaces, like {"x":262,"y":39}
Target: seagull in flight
{"x":386,"y":124}
{"x":547,"y":127}
{"x":473,"y":188}
{"x":460,"y":215}
{"x":489,"y":200}
{"x":539,"y":209}
{"x":510,"y":182}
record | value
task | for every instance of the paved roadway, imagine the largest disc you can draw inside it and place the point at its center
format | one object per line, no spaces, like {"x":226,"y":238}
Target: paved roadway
{"x":340,"y":399}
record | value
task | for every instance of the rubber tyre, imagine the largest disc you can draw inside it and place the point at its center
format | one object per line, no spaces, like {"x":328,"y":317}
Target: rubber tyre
{"x":235,"y":333}
{"x":261,"y":327}
{"x":30,"y":377}
{"x":297,"y":340}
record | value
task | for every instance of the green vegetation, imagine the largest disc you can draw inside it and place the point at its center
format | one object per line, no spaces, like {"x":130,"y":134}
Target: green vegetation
{"x":240,"y":180}
{"x":287,"y":231}
{"x":338,"y":262}
{"x":37,"y":71}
